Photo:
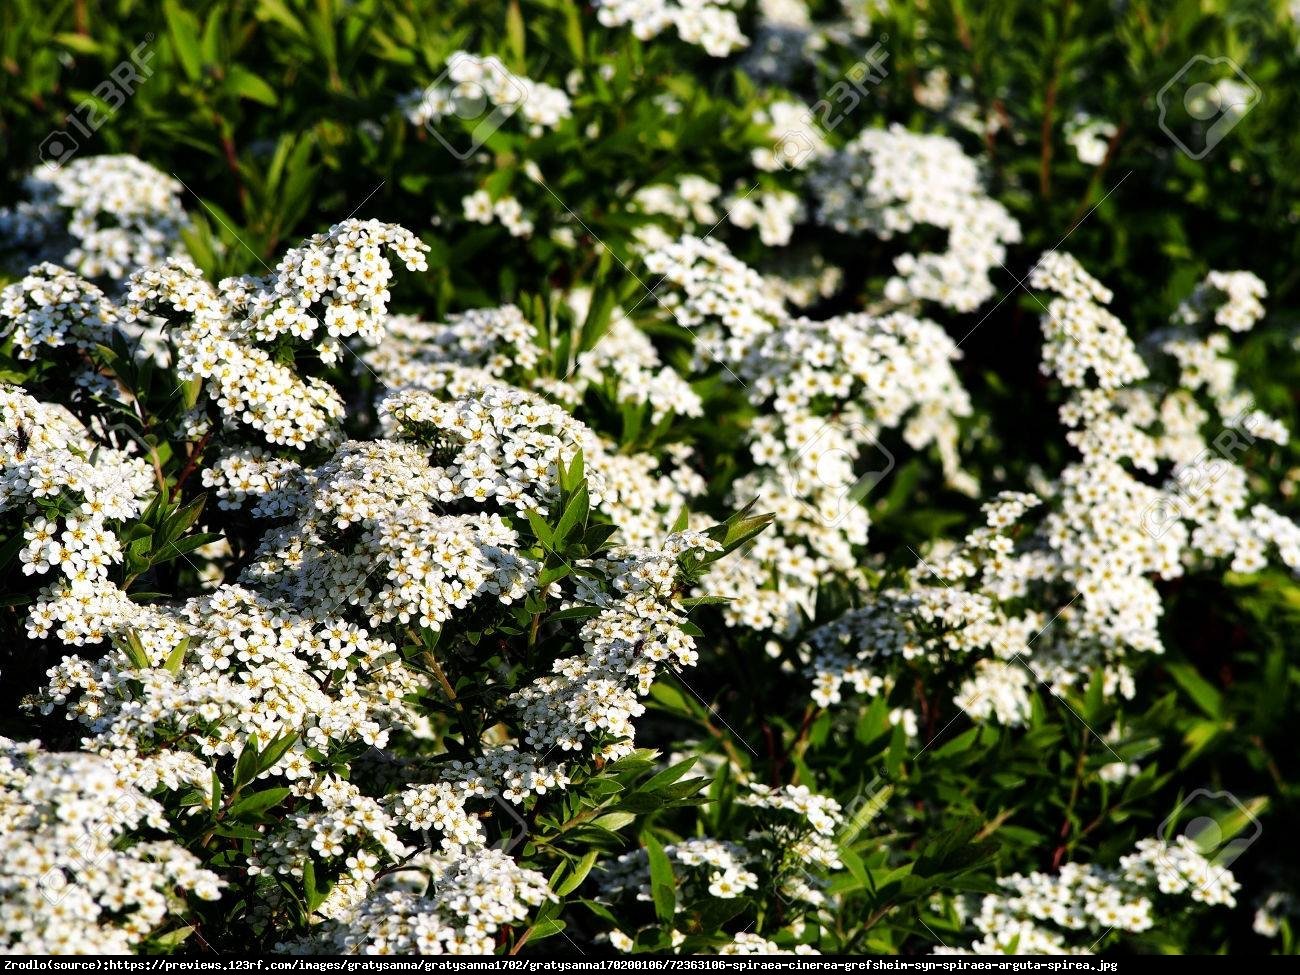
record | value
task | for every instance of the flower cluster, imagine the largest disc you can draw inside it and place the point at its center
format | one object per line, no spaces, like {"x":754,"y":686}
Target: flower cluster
{"x":792,"y":836}
{"x":625,"y":359}
{"x":100,"y":216}
{"x":888,"y":182}
{"x":773,"y":213}
{"x":273,"y":484}
{"x":1067,"y":591}
{"x":802,"y":279}
{"x":251,"y":667}
{"x":1279,"y":906}
{"x":78,"y":879}
{"x":53,"y":308}
{"x":813,"y":464}
{"x":796,"y":141}
{"x":1090,"y":137}
{"x":1081,"y":336}
{"x":482,"y":345}
{"x":479,"y":207}
{"x":71,"y":493}
{"x":688,"y":202}
{"x":380,"y":504}
{"x":595,"y":694}
{"x":1071,"y":911}
{"x":472,"y":86}
{"x":715,"y":867}
{"x":438,"y":906}
{"x":335,"y":284}
{"x":490,"y":346}
{"x":710,"y":24}
{"x":441,"y":599}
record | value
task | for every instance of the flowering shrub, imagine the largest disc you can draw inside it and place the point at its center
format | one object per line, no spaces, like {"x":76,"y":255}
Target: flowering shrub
{"x":684,"y":476}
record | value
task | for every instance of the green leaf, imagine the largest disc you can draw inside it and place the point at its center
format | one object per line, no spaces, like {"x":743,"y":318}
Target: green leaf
{"x":576,"y":473}
{"x":1204,"y":694}
{"x":237,"y":831}
{"x":690,"y":602}
{"x":274,"y":751}
{"x":515,"y":34}
{"x":544,"y":929}
{"x":1094,"y":700}
{"x":176,"y":658}
{"x":579,"y":874}
{"x":259,"y":802}
{"x":135,"y":651}
{"x":554,"y":574}
{"x":600,"y":910}
{"x":314,"y":892}
{"x":574,"y":514}
{"x":669,"y":775}
{"x":683,"y":521}
{"x":245,"y":84}
{"x":176,"y":550}
{"x":246,"y":764}
{"x":576,"y":613}
{"x":184,"y":31}
{"x":186,"y":516}
{"x":172,"y":939}
{"x":663,"y":885}
{"x":541,"y":530}
{"x":81,"y":43}
{"x":614,"y":821}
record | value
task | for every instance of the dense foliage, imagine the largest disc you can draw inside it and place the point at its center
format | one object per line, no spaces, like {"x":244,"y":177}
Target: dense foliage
{"x":542,"y":476}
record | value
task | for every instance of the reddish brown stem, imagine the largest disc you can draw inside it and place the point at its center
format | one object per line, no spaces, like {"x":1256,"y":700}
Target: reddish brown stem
{"x":192,"y":463}
{"x":232,"y":163}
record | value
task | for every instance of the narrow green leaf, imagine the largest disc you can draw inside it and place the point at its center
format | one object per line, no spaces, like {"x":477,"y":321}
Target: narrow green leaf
{"x":663,"y":885}
{"x":669,"y":775}
{"x":135,"y":651}
{"x":184,"y":32}
{"x":1204,"y":694}
{"x":574,"y":514}
{"x":614,"y":821}
{"x":274,"y":751}
{"x":579,"y":874}
{"x":259,"y":802}
{"x":176,"y":658}
{"x":541,"y":530}
{"x":246,"y":765}
{"x":245,"y":84}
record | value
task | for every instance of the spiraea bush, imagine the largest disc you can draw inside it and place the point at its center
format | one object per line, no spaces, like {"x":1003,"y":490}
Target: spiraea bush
{"x":670,"y":476}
